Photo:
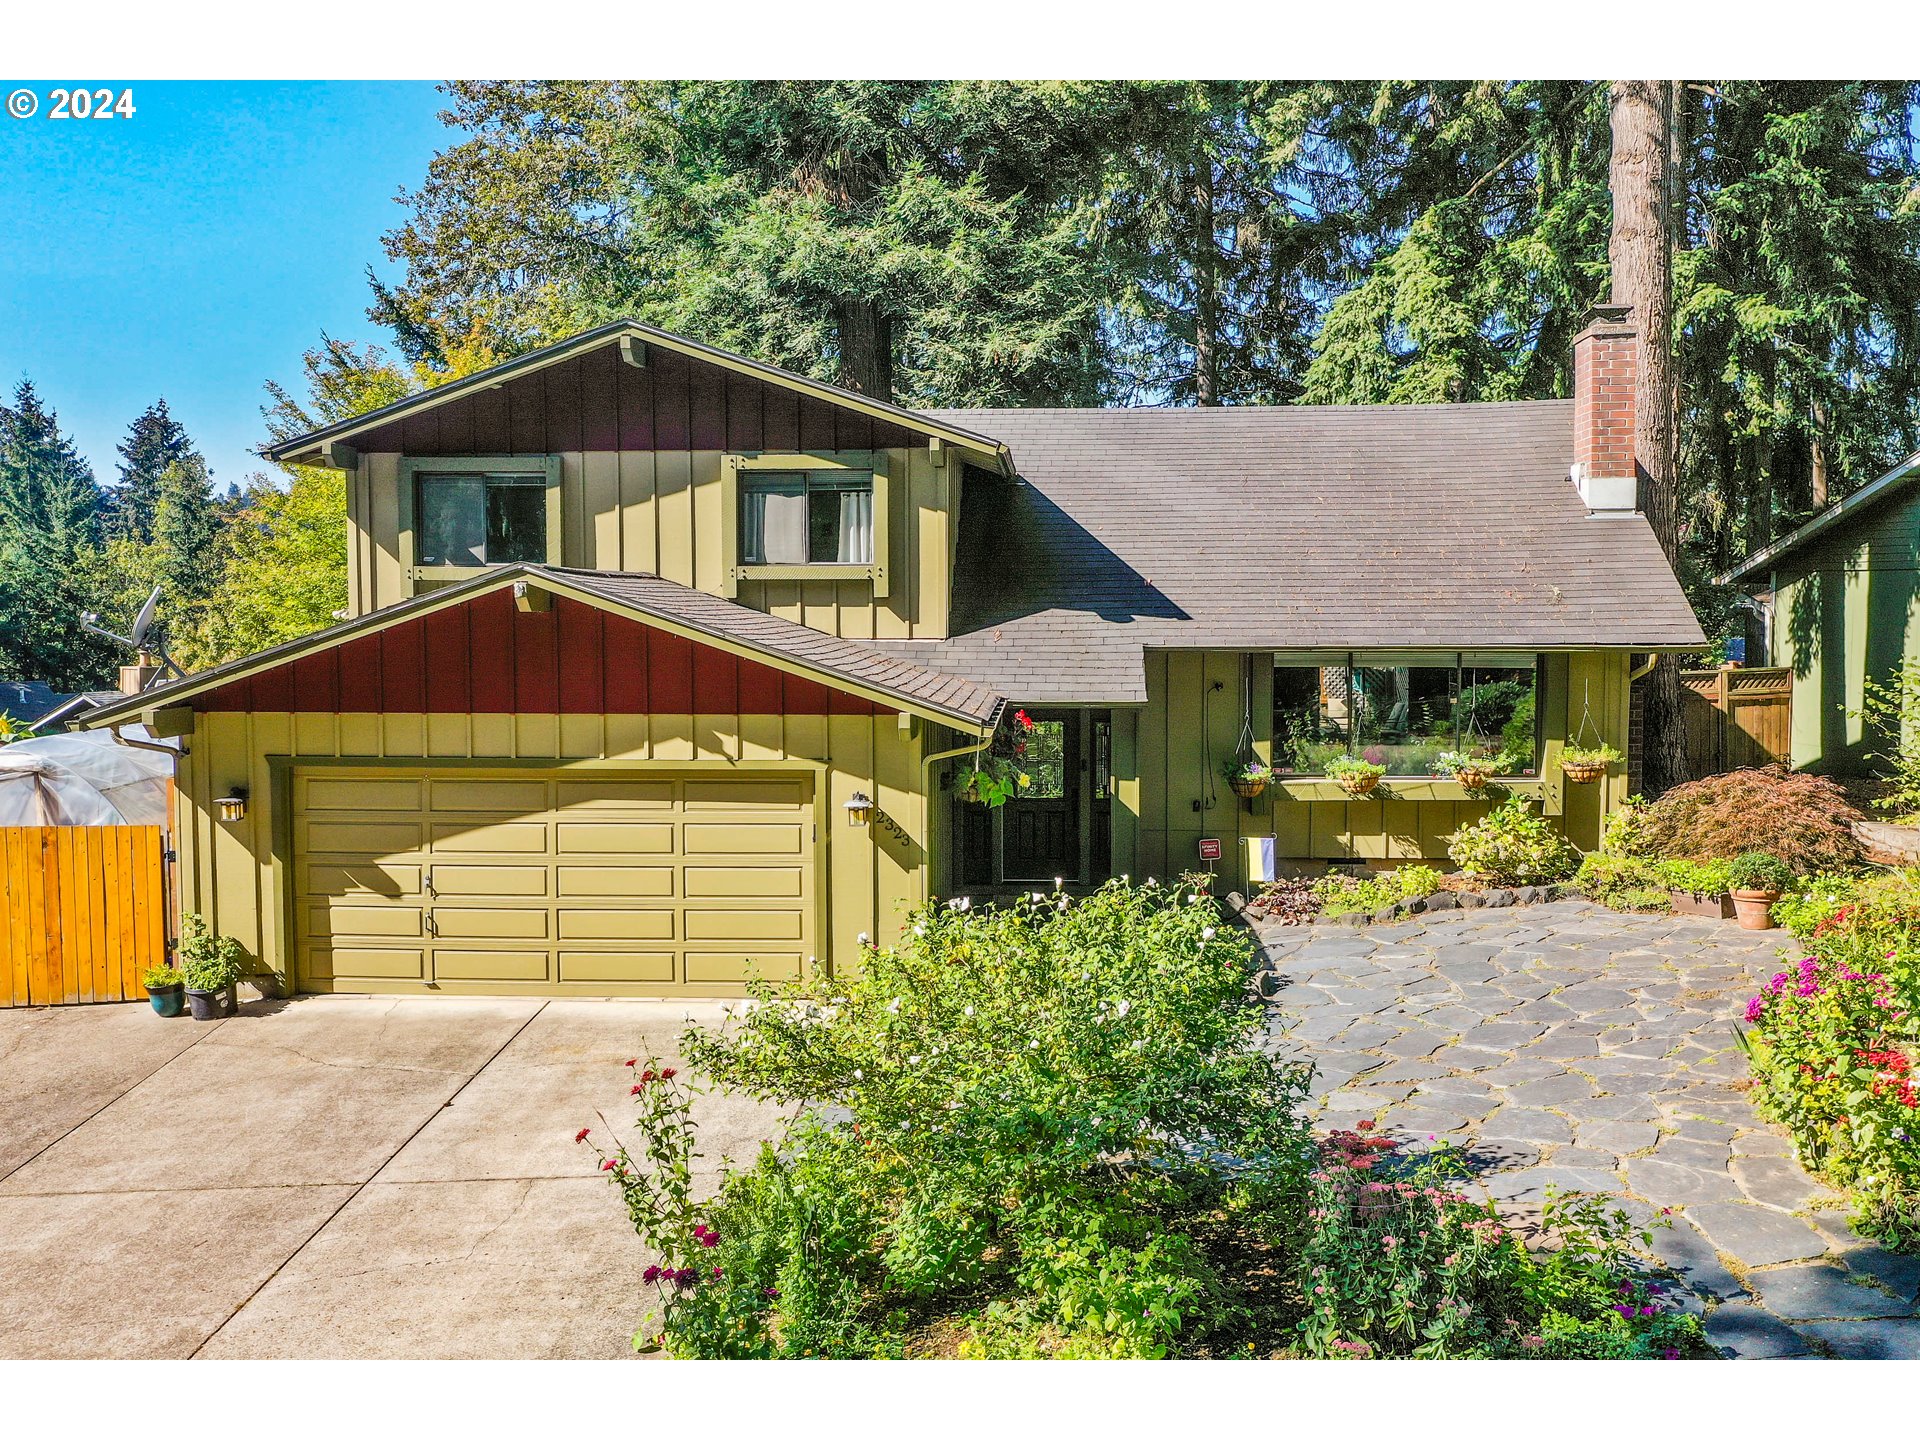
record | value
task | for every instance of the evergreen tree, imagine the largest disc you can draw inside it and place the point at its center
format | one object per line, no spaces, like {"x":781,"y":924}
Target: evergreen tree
{"x":49,"y":527}
{"x":154,"y":442}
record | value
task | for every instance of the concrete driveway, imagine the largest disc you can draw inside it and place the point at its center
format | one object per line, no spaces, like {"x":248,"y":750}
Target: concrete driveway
{"x":332,"y":1176}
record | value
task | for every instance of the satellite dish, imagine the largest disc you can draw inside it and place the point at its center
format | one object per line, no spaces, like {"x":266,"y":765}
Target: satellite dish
{"x":144,"y":620}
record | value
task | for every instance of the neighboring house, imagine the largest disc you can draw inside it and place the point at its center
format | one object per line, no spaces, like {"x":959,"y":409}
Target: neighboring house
{"x":658,"y":659}
{"x":44,"y":710}
{"x":1841,"y":597}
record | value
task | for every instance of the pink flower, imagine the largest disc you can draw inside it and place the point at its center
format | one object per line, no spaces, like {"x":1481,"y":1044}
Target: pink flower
{"x":582,"y":1135}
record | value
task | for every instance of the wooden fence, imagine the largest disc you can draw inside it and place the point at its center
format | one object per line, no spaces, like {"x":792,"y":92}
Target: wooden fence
{"x":1737,"y":718}
{"x":83,"y":912}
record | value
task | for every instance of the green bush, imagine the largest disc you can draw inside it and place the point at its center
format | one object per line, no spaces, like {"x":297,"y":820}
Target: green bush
{"x":1513,"y":845}
{"x":1891,"y":709}
{"x":1032,"y":1127}
{"x":1756,"y":871}
{"x":1399,"y":1263}
{"x":1344,"y":894}
{"x":1623,"y":882}
{"x":207,"y":961}
{"x":1624,"y":830}
{"x":1695,"y":877}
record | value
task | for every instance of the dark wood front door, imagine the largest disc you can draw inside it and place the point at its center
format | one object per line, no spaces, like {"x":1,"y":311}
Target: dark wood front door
{"x":1041,"y":834}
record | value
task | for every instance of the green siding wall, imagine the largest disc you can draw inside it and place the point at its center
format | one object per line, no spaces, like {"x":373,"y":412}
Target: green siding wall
{"x":1844,"y":610}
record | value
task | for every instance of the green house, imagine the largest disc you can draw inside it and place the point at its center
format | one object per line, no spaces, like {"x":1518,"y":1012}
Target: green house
{"x":1838,"y":602}
{"x":662,"y":666}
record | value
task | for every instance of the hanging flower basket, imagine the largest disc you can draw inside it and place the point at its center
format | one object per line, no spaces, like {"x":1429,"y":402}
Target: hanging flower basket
{"x":1247,"y":777}
{"x":1248,"y":789}
{"x":1356,"y":777}
{"x":1587,"y":766}
{"x":1472,"y":778}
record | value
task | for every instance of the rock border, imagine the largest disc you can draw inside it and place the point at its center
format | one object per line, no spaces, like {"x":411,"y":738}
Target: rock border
{"x":1444,"y":900}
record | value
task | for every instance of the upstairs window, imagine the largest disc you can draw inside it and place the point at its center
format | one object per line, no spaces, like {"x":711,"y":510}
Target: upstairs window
{"x":466,"y":521}
{"x":816,"y":517}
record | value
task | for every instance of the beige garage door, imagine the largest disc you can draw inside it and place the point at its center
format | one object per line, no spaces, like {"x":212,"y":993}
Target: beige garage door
{"x":486,"y":883}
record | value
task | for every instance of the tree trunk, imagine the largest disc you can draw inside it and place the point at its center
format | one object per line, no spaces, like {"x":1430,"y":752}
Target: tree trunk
{"x":1206,"y":291}
{"x":1640,"y":250}
{"x":866,"y":349}
{"x":1821,"y":484}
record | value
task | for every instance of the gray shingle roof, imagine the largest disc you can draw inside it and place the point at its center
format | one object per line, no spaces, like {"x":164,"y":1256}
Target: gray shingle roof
{"x":1285,"y":527}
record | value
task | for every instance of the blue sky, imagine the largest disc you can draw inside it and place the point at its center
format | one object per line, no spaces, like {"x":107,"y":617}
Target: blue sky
{"x":196,"y":249}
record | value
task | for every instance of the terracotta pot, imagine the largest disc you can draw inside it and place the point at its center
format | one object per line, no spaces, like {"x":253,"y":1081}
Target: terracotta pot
{"x":1248,"y":789}
{"x":1584,"y":772}
{"x":1753,"y":908}
{"x":1358,"y":785}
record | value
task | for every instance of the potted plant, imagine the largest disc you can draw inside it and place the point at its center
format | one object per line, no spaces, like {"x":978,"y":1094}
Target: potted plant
{"x":1756,"y":880}
{"x":991,"y":782}
{"x":1587,"y":764}
{"x":210,"y":966}
{"x":1471,"y":772}
{"x":164,"y":989}
{"x":1247,"y":778}
{"x":1356,"y":777}
{"x":1697,"y":887}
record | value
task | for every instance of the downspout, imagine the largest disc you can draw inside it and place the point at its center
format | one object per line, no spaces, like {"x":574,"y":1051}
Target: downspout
{"x":114,"y":730}
{"x":1642,"y":671}
{"x":926,"y":794}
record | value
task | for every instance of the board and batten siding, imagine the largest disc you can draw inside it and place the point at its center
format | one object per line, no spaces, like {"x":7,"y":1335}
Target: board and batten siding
{"x":1167,"y":757}
{"x":1845,"y":609}
{"x":640,"y":477}
{"x":239,"y":875}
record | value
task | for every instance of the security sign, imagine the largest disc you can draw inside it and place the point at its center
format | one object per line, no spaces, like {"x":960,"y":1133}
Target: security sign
{"x":1209,"y":849}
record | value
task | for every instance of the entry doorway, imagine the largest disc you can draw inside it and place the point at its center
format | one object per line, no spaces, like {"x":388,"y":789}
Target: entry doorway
{"x":1058,"y":826}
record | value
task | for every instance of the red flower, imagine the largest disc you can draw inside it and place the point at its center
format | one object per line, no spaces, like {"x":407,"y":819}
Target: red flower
{"x":1025,"y":720}
{"x":632,"y":1063}
{"x":584,"y":1132}
{"x":606,"y":1164}
{"x":1364,"y":1125}
{"x":668,"y":1073}
{"x":651,"y":1273}
{"x":636,"y":1089}
{"x":709,"y":1239}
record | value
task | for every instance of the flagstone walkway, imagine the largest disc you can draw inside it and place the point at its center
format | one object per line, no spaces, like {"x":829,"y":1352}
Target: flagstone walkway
{"x":1569,"y":1045}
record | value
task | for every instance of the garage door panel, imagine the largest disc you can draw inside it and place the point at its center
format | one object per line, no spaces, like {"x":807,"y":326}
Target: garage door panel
{"x":618,"y":967}
{"x":505,"y":797}
{"x":759,"y":793}
{"x":757,"y":881}
{"x":355,"y":963}
{"x":315,"y":793}
{"x":637,"y":881}
{"x":458,"y":922}
{"x":587,"y":796}
{"x":516,"y":837}
{"x":577,"y":838}
{"x":391,"y":881}
{"x":491,"y":964}
{"x":369,"y":921}
{"x":744,"y":839}
{"x":490,"y":879}
{"x":617,"y":924}
{"x":360,"y":837}
{"x":734,"y":968}
{"x":744,"y":924}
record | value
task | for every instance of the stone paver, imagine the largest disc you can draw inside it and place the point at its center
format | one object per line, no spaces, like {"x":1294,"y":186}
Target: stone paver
{"x":1566,"y":1045}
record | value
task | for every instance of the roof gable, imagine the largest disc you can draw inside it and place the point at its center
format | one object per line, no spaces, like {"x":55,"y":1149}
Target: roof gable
{"x":1865,"y":498}
{"x":585,"y":393}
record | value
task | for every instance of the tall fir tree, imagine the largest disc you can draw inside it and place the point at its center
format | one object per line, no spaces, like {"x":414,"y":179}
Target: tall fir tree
{"x":154,"y":442}
{"x":49,"y":527}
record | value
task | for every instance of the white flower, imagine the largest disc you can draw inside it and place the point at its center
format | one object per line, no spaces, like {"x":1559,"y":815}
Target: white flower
{"x":1207,"y":934}
{"x":893,"y":1006}
{"x":1033,"y":1044}
{"x":1058,"y":882}
{"x":1122,"y":1008}
{"x":862,"y":938}
{"x":859,"y":1075}
{"x":919,"y":929}
{"x":913,"y":1059}
{"x":969,"y":1010}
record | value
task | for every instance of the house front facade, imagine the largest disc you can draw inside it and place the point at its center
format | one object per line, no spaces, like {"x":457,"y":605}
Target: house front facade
{"x":662,"y":667}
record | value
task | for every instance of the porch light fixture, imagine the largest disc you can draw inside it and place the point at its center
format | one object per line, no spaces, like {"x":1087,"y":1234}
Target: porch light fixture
{"x":232,"y":806}
{"x":859,"y":808}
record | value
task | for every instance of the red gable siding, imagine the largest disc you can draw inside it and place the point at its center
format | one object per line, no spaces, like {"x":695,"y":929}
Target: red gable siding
{"x":597,"y":401}
{"x":486,"y":656}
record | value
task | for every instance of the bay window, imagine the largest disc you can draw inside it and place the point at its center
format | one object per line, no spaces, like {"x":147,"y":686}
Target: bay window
{"x":1404,"y":710}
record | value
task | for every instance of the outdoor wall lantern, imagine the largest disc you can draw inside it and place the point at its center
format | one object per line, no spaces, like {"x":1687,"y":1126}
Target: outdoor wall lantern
{"x":859,"y":808}
{"x":232,"y":806}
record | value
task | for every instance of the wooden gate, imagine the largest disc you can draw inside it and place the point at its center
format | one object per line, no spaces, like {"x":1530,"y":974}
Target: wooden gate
{"x":1737,"y":718}
{"x":83,"y":911}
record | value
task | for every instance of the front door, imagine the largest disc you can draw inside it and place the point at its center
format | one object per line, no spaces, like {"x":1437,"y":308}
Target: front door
{"x":1041,"y":825}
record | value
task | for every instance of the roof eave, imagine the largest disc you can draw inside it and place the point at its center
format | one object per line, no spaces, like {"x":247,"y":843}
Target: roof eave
{"x":1866,"y":496}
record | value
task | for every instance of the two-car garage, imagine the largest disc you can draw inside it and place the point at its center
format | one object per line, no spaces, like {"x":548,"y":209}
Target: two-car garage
{"x":464,"y":880}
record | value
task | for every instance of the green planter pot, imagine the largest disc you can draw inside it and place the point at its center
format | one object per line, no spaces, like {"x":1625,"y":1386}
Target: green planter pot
{"x":167,"y":1000}
{"x":213,"y":1004}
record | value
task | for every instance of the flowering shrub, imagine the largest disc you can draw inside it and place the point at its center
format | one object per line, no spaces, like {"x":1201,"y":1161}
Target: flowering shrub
{"x":1340,"y":893}
{"x":1834,"y":1049}
{"x":1024,"y":1128}
{"x":1513,"y":845}
{"x":1399,"y":1263}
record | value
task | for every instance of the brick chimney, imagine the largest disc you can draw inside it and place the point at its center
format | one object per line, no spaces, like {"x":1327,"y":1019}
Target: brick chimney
{"x":1606,"y":370}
